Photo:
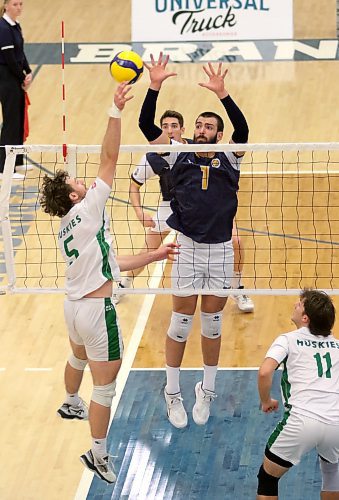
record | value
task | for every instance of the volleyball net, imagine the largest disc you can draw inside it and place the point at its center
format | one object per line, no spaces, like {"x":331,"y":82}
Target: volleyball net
{"x":287,"y":219}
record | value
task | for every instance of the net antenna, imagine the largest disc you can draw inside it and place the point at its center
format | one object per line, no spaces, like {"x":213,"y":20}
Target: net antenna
{"x":64,"y":145}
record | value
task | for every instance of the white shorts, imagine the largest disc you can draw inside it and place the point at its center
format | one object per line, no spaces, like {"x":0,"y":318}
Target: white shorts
{"x":160,"y":218}
{"x":300,"y":434}
{"x":93,"y":323}
{"x":202,"y":265}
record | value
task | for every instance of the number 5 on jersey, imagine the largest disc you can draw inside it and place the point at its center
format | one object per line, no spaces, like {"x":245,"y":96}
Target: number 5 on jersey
{"x":70,"y":252}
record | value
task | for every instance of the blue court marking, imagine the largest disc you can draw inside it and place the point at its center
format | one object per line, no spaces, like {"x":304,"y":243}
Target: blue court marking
{"x":217,"y":461}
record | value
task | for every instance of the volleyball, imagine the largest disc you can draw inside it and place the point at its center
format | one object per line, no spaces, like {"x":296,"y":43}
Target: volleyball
{"x":126,"y":66}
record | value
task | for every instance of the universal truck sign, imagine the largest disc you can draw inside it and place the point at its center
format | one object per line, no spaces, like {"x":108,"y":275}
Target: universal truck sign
{"x":188,"y":20}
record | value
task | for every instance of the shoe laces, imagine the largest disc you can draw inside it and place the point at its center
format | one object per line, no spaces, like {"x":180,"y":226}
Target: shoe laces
{"x":245,"y":298}
{"x":103,"y":462}
{"x":209,"y":396}
{"x":82,"y":406}
{"x":175,"y":399}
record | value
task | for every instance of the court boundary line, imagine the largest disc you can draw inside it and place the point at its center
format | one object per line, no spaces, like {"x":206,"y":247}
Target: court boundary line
{"x":220,"y":369}
{"x":127,"y":362}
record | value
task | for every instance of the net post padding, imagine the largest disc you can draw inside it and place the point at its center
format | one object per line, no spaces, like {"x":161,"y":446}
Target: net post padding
{"x":6,"y":229}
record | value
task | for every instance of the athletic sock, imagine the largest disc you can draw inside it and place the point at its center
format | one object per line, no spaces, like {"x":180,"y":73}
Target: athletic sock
{"x":173,"y":374}
{"x":99,"y":447}
{"x":210,"y":373}
{"x":236,"y":280}
{"x":72,"y":399}
{"x":126,"y":282}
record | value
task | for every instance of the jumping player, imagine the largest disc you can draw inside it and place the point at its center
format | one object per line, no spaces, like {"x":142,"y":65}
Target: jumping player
{"x":204,"y":205}
{"x":86,"y":245}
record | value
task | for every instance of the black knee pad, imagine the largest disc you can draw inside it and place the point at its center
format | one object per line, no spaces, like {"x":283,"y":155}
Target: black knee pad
{"x":267,"y":484}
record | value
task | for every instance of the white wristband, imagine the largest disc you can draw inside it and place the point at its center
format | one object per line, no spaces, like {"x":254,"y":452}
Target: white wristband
{"x":114,"y":111}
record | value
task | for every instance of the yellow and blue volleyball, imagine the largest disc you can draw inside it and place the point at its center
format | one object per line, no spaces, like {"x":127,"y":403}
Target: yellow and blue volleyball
{"x":126,"y":66}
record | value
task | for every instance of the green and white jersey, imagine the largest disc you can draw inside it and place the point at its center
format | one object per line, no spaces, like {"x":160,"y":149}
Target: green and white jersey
{"x":310,"y":379}
{"x":86,"y":244}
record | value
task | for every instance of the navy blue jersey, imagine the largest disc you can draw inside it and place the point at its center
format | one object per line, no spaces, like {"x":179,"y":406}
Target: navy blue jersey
{"x":204,"y":196}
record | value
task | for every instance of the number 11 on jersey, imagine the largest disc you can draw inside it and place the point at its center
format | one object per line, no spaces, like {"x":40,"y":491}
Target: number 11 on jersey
{"x":327,"y":358}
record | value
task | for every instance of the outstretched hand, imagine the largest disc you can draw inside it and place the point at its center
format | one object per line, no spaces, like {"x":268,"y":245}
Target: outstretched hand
{"x":167,"y":251}
{"x":157,"y":71}
{"x":216,"y":81}
{"x":121,"y":97}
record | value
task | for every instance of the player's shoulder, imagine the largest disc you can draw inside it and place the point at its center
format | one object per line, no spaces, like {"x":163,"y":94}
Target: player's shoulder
{"x":99,"y":183}
{"x":299,"y":334}
{"x":98,"y":189}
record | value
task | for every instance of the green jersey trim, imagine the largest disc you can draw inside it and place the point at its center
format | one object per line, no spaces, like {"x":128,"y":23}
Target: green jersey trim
{"x":105,"y":248}
{"x":114,"y":352}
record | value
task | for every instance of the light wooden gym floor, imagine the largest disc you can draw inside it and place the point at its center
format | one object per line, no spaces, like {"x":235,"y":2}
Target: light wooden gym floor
{"x":282,"y":101}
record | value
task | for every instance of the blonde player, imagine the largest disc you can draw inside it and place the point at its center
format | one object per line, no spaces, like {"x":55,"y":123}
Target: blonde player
{"x":86,"y":245}
{"x":310,"y":390}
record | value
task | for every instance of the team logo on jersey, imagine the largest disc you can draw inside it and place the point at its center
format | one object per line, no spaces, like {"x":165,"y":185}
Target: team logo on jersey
{"x":94,"y":185}
{"x":215,"y":163}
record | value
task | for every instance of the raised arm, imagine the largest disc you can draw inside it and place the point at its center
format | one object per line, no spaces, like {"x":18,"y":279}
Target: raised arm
{"x":158,"y":74}
{"x":111,"y":142}
{"x":216,"y":84}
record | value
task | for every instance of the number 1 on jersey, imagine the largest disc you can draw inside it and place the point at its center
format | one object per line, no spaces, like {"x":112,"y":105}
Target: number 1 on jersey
{"x":205,"y":175}
{"x":327,"y":358}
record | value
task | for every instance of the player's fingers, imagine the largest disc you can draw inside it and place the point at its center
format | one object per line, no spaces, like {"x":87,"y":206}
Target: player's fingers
{"x":207,"y":72}
{"x":148,"y":66}
{"x":171,"y":257}
{"x":219,"y":69}
{"x":160,"y":58}
{"x":165,"y":61}
{"x":169,"y":75}
{"x":225,"y":73}
{"x":121,"y":86}
{"x":126,"y":88}
{"x":152,"y":60}
{"x":211,"y":68}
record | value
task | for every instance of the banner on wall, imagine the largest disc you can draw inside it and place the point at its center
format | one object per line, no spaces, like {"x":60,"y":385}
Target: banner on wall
{"x":189,"y":20}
